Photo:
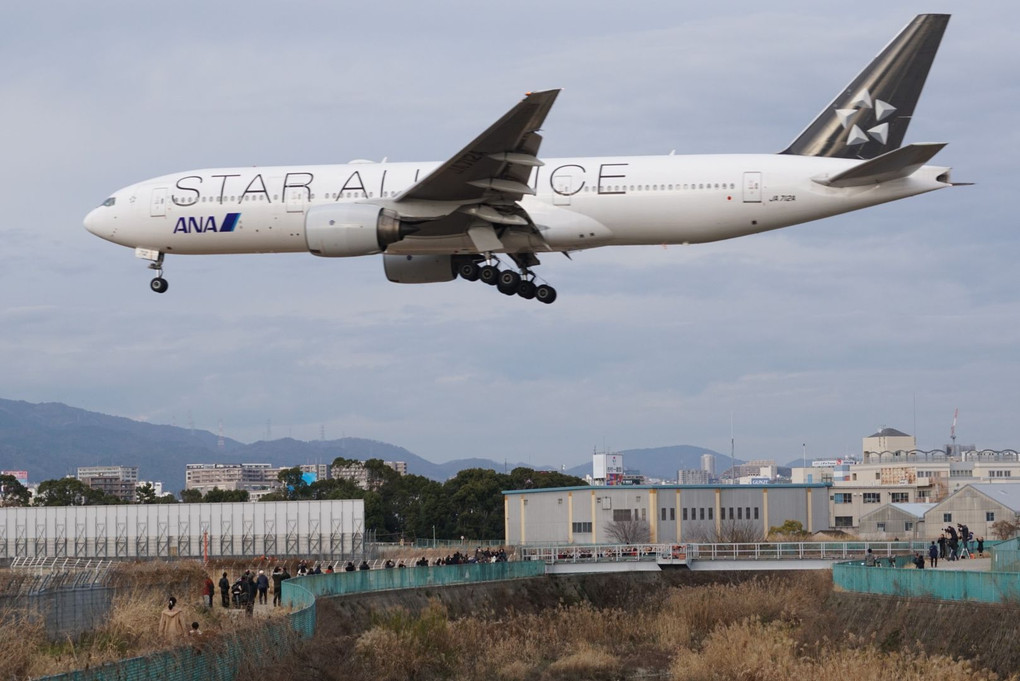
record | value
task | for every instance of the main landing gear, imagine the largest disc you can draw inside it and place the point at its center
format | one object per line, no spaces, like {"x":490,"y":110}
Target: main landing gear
{"x":507,"y":282}
{"x":158,"y":283}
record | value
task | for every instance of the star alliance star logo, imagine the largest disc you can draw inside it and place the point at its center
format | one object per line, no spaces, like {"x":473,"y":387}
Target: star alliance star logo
{"x":880,"y":132}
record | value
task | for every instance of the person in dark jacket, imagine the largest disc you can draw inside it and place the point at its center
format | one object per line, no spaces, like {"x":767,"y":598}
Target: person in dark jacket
{"x":251,"y":590}
{"x":277,"y":585}
{"x":225,"y":590}
{"x":933,"y":555}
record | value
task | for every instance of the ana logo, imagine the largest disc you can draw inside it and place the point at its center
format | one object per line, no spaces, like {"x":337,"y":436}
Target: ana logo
{"x":200,"y":225}
{"x":849,"y":118}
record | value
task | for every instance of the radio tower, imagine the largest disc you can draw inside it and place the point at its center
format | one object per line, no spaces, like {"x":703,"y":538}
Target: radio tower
{"x":952,"y":432}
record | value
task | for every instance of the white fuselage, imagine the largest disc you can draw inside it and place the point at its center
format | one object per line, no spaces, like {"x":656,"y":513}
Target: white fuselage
{"x":579,"y":203}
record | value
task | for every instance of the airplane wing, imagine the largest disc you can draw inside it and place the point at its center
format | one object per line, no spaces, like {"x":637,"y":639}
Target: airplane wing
{"x":483,"y":182}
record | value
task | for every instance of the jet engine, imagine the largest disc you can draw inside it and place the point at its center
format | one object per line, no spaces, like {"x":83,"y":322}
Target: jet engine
{"x":419,"y":269}
{"x":344,"y":230}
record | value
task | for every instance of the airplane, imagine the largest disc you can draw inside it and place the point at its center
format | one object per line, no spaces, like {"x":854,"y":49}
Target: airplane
{"x":435,"y":222}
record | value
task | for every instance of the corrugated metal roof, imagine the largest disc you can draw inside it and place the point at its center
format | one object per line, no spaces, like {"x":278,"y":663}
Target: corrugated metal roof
{"x":915,"y":509}
{"x":1006,"y":493}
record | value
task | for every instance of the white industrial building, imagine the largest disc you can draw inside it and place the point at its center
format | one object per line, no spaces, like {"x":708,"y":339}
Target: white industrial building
{"x":662,"y":513}
{"x":328,"y":529}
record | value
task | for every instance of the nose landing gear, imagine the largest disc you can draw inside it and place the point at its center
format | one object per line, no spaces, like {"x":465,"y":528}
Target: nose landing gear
{"x":158,"y":283}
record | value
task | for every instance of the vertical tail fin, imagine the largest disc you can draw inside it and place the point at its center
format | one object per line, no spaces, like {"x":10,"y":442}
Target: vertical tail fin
{"x":870,"y":117}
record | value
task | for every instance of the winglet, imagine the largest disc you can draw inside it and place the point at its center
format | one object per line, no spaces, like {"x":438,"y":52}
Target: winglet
{"x":870,"y":116}
{"x":889,"y":166}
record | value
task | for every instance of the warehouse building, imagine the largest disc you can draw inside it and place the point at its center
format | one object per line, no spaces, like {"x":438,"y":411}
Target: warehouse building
{"x":895,"y":522}
{"x":977,"y":506}
{"x":319,"y":529}
{"x":660,"y":514}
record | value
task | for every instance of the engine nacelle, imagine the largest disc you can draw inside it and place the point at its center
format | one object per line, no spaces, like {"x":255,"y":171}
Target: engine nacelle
{"x":344,"y":230}
{"x":419,"y":269}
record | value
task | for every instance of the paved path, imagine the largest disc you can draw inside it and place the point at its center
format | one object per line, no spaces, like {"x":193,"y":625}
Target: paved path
{"x":970,"y":564}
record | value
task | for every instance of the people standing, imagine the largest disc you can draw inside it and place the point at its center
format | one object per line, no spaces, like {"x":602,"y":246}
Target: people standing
{"x":277,"y":585}
{"x":171,"y":621}
{"x":224,"y":590}
{"x":933,"y":555}
{"x":208,"y":589}
{"x":262,"y":584}
{"x":981,"y":547}
{"x":919,"y":561}
{"x":250,"y":591}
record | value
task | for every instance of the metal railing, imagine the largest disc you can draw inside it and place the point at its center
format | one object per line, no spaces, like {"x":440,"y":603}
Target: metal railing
{"x":593,"y":553}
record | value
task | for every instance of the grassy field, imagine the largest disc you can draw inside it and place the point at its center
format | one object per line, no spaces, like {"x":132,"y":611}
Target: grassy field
{"x":753,"y":631}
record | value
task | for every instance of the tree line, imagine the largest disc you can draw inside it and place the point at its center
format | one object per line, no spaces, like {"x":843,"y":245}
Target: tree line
{"x":397,"y":507}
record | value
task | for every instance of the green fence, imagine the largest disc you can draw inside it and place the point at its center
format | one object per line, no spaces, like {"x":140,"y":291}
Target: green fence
{"x":361,"y":581}
{"x":220,"y":659}
{"x":946,"y":585}
{"x":1005,"y":555}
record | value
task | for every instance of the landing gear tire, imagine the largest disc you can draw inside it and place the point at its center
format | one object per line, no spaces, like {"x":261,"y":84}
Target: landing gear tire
{"x":508,"y":282}
{"x":526,"y":290}
{"x":159,"y":285}
{"x":545,"y":294}
{"x":489,"y":274}
{"x":469,"y":271}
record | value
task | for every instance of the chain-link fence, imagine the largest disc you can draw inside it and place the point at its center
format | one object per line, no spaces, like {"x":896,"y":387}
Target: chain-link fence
{"x":68,"y":597}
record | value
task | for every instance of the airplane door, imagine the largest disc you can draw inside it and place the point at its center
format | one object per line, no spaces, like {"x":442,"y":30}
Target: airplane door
{"x":157,"y":205}
{"x":752,"y":187}
{"x":295,"y":199}
{"x":566,"y":181}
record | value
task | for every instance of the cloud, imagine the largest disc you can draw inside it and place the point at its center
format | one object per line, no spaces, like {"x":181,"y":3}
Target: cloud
{"x":813,"y":334}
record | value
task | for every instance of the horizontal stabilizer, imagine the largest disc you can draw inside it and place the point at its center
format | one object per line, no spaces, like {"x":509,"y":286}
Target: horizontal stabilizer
{"x":889,"y":166}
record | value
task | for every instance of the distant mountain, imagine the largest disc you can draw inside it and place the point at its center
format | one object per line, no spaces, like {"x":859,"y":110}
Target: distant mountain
{"x":51,"y":440}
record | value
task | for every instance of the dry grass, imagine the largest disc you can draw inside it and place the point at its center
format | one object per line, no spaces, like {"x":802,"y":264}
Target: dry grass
{"x":132,"y":627}
{"x":22,"y":635}
{"x":751,"y":650}
{"x":761,"y":630}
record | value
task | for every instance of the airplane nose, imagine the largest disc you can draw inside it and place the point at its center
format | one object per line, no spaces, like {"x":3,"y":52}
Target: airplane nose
{"x":91,"y":222}
{"x":96,"y":224}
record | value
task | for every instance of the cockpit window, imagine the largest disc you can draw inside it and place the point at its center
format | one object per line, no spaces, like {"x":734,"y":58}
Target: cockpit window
{"x":110,"y":201}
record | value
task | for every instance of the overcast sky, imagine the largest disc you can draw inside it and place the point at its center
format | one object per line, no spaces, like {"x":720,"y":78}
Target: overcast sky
{"x":813,"y":335}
